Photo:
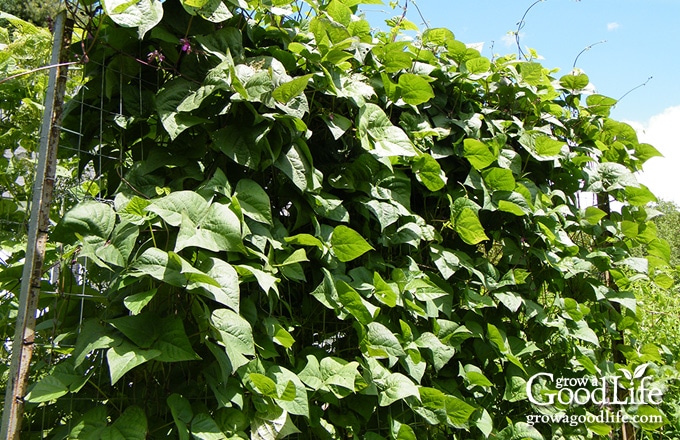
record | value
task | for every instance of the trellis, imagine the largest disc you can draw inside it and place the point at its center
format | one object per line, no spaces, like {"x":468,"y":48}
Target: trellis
{"x":67,"y":172}
{"x":43,"y":188}
{"x":102,"y":156}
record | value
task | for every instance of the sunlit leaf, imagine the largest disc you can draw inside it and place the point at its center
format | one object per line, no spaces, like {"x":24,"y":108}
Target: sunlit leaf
{"x":600,"y":104}
{"x":142,"y":14}
{"x":380,"y":136}
{"x":353,"y":302}
{"x":429,"y":172}
{"x":381,"y":343}
{"x":48,"y":388}
{"x":458,"y":411}
{"x":218,"y":230}
{"x":212,"y":10}
{"x":478,"y":65}
{"x":468,"y":226}
{"x":293,"y":393}
{"x":574,"y":82}
{"x":287,"y":91}
{"x":172,"y":207}
{"x":437,"y":36}
{"x":478,"y":153}
{"x":499,"y":179}
{"x":414,"y":89}
{"x":396,"y":387}
{"x":92,"y":220}
{"x":347,"y":244}
{"x":235,"y":334}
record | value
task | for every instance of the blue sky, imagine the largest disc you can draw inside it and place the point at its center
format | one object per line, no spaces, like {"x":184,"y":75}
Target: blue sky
{"x":642,"y":41}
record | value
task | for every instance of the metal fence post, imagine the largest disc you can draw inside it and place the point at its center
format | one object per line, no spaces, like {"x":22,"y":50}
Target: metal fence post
{"x":24,"y":335}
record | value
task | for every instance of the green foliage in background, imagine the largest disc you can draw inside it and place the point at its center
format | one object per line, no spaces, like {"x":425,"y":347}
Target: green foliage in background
{"x":24,"y":47}
{"x":660,"y":313}
{"x":38,"y":12}
{"x":25,"y":51}
{"x":310,"y":229}
{"x":668,"y":227}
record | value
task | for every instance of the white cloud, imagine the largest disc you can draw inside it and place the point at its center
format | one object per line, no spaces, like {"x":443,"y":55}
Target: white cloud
{"x":510,"y":39}
{"x":662,"y":174}
{"x":479,"y":47}
{"x":613,"y":26}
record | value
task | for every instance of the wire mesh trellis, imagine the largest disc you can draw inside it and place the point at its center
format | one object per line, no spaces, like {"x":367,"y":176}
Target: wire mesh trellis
{"x":65,"y":285}
{"x":95,"y":159}
{"x":98,"y":158}
{"x":24,"y":335}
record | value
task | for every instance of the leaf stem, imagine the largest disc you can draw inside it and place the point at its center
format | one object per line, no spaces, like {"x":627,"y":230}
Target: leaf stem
{"x":153,"y":237}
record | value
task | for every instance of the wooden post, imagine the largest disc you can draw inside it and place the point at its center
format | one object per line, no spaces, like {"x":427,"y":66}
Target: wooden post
{"x":24,"y":335}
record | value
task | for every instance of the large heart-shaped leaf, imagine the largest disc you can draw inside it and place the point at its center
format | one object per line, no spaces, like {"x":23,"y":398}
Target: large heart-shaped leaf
{"x":347,"y":244}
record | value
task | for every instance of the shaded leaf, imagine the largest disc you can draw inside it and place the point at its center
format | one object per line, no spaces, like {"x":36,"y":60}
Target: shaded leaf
{"x":124,"y":357}
{"x":254,"y":201}
{"x":181,"y":414}
{"x":204,"y":427}
{"x":131,"y":425}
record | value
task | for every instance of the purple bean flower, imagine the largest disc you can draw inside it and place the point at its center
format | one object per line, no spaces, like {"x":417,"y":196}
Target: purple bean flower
{"x":186,"y":45}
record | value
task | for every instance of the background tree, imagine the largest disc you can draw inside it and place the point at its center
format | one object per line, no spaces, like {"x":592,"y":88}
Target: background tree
{"x":38,"y":12}
{"x":660,"y":310}
{"x":24,"y":47}
{"x":26,"y":50}
{"x":668,"y":227}
{"x":292,"y":226}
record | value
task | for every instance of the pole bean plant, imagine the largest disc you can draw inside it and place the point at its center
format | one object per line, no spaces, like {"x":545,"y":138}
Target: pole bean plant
{"x":305,"y":227}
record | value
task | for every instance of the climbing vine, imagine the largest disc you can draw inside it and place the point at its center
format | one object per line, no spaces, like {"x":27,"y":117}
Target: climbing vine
{"x":312,"y":229}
